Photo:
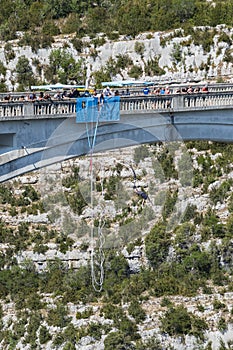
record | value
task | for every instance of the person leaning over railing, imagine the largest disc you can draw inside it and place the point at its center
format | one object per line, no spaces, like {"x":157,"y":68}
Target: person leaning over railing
{"x":205,"y":89}
{"x":8,"y":98}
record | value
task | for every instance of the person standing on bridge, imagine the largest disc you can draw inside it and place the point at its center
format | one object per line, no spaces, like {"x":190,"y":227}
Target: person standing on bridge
{"x":146,"y":90}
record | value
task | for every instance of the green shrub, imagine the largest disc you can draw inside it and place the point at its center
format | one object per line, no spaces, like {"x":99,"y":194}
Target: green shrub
{"x":152,"y":67}
{"x":166,"y":302}
{"x":224,"y":37}
{"x":217,"y":304}
{"x":44,"y":335}
{"x":135,"y":71}
{"x":123,"y":61}
{"x":58,"y":317}
{"x":157,"y":244}
{"x":190,"y":213}
{"x":198,"y":261}
{"x":169,"y":204}
{"x":177,"y":53}
{"x":166,"y":161}
{"x":219,"y":194}
{"x":136,"y":311}
{"x":85,"y":314}
{"x":149,"y":344}
{"x":177,"y":321}
{"x":222,"y":325}
{"x":117,"y":340}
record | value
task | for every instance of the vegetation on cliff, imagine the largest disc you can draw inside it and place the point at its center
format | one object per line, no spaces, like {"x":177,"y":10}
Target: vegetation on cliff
{"x":40,"y":20}
{"x":192,"y":258}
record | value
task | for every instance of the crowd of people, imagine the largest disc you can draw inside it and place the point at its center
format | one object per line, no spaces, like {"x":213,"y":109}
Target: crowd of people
{"x":60,"y":95}
{"x":180,"y":90}
{"x":100,"y":94}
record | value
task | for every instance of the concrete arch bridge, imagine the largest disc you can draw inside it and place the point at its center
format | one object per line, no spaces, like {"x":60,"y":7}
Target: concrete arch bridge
{"x":36,"y":134}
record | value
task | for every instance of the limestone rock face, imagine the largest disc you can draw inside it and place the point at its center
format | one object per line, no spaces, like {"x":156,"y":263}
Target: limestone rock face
{"x":188,"y":68}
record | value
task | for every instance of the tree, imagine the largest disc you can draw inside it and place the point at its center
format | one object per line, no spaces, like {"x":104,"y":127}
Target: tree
{"x":151,"y":343}
{"x":100,"y":76}
{"x":198,"y":261}
{"x":57,"y":8}
{"x":64,"y":68}
{"x":117,"y":341}
{"x":183,"y":10}
{"x":157,"y":244}
{"x":132,"y":17}
{"x":24,"y":72}
{"x":2,"y":69}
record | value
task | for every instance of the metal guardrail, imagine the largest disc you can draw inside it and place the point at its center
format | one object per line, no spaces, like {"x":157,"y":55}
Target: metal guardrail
{"x":67,"y":108}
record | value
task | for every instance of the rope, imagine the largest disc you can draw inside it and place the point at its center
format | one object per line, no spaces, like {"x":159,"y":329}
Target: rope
{"x":97,"y":283}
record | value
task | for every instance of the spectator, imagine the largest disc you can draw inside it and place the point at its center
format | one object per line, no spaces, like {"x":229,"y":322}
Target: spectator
{"x":76,"y":93}
{"x":41,"y":96}
{"x":156,"y":91}
{"x":146,"y":91}
{"x":86,"y":94}
{"x":100,"y":99}
{"x":162,"y":91}
{"x":167,"y":91}
{"x":57,"y":96}
{"x":8,"y":98}
{"x":47,"y":97}
{"x":197,"y":90}
{"x":205,"y":88}
{"x":107,"y":91}
{"x":32,"y":96}
{"x":190,"y":90}
{"x":64,"y":95}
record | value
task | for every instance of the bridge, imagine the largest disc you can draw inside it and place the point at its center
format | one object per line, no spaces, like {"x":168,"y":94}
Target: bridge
{"x":36,"y":134}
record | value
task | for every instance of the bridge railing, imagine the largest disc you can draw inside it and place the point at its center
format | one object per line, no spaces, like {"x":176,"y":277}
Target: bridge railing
{"x":55,"y":108}
{"x":179,"y":102}
{"x":208,"y":100}
{"x":11,"y":110}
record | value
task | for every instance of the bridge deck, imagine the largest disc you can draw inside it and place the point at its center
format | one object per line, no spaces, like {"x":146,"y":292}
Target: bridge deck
{"x":34,"y":135}
{"x":54,"y":109}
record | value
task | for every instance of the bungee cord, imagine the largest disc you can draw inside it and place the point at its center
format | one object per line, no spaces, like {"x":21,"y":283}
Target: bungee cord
{"x":90,"y":111}
{"x":97,"y":283}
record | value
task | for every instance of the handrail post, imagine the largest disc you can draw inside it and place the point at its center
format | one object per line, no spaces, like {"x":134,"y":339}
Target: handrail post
{"x":178,"y":102}
{"x":28,"y":109}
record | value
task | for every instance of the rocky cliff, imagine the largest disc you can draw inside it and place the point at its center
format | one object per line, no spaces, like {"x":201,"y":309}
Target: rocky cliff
{"x":204,"y":54}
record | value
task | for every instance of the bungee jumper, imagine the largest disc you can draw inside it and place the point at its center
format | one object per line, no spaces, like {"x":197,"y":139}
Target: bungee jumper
{"x":140,"y":192}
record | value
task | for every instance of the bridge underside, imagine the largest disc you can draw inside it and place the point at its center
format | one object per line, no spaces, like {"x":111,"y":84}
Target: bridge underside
{"x":37,"y":144}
